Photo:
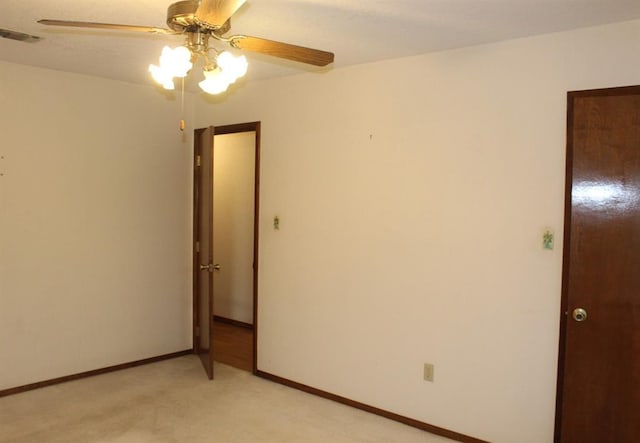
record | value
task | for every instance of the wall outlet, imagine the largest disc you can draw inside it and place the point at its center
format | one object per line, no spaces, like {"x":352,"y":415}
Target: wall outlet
{"x":428,"y":372}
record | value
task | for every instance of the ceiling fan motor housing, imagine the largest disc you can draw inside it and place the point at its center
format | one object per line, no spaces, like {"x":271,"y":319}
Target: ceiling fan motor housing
{"x":181,"y":17}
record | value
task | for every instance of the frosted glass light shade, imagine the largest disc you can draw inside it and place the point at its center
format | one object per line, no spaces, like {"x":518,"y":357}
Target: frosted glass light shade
{"x":214,"y":82}
{"x":177,"y":61}
{"x":218,"y":76}
{"x":173,"y":63}
{"x":232,"y":67}
{"x":161,"y":76}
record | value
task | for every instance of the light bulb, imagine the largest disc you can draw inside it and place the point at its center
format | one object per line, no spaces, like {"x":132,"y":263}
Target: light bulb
{"x":176,"y":62}
{"x":225,"y":60}
{"x":214,"y":82}
{"x":181,"y":61}
{"x":241,"y":66}
{"x":165,"y":57}
{"x":232,"y":67}
{"x":227,"y":76}
{"x":162,"y":77}
{"x":182,"y":53}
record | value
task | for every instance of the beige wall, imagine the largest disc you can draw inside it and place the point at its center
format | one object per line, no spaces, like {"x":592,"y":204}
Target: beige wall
{"x":94,"y":224}
{"x":413,"y":195}
{"x":233,"y":200}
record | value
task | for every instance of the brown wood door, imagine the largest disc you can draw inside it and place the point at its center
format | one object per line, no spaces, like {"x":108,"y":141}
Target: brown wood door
{"x":599,"y":367}
{"x":203,"y":248}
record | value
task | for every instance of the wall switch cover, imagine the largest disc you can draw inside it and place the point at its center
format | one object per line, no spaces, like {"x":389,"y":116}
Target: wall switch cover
{"x":428,"y":372}
{"x":547,"y":239}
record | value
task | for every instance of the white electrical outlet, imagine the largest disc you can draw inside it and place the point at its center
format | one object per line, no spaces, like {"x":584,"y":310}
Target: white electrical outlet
{"x":428,"y":372}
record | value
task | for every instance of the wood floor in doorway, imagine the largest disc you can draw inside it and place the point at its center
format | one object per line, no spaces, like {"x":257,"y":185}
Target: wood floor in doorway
{"x":233,"y":345}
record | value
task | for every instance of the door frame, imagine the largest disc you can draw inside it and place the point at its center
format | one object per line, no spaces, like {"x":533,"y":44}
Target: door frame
{"x":221,"y":130}
{"x":566,"y":259}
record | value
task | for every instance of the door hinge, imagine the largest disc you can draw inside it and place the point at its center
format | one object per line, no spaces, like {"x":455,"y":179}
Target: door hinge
{"x":197,"y":160}
{"x":197,"y":246}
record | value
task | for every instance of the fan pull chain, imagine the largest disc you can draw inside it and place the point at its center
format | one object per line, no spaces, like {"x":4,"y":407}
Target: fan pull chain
{"x":182,"y":108}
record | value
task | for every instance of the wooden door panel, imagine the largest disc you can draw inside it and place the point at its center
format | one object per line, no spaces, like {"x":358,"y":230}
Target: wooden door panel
{"x":599,"y":392}
{"x":203,"y":280}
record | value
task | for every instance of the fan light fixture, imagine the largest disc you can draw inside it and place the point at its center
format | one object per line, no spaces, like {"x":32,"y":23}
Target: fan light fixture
{"x":219,"y":72}
{"x":200,"y":20}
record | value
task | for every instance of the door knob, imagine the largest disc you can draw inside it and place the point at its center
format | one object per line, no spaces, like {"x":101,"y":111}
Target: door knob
{"x":579,"y":314}
{"x":210,"y":267}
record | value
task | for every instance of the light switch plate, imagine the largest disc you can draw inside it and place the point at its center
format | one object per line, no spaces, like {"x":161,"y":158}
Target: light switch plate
{"x":547,"y":239}
{"x":428,"y":372}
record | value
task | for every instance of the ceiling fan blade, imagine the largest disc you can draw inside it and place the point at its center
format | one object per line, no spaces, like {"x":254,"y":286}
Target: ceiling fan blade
{"x":283,"y":50}
{"x":19,"y":36}
{"x":106,"y":26}
{"x":215,"y":13}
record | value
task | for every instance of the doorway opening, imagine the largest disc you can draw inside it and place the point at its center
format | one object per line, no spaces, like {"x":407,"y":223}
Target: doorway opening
{"x":225,"y":245}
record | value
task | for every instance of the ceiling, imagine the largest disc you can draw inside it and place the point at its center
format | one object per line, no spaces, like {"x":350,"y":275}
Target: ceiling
{"x":357,"y":31}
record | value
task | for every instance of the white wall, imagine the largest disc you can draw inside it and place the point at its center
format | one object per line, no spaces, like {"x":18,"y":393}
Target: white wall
{"x":95,"y":224}
{"x":233,"y":213}
{"x":413,"y":195}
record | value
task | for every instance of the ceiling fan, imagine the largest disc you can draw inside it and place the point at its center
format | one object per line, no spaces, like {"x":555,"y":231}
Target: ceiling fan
{"x":200,"y":21}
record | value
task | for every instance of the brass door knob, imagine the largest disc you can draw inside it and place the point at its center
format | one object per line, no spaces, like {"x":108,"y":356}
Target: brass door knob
{"x":579,"y":314}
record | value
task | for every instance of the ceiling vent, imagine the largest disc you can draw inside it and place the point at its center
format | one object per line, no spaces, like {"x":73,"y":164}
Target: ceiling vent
{"x":20,"y":36}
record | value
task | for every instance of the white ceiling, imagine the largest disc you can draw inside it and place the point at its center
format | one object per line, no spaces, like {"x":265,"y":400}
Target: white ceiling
{"x":357,"y":31}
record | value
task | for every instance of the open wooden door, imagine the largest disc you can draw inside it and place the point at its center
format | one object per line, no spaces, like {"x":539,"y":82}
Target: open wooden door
{"x":599,"y":366}
{"x":203,"y":248}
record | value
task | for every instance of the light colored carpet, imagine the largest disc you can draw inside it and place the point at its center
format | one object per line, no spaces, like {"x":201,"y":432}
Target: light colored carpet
{"x":172,"y":401}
